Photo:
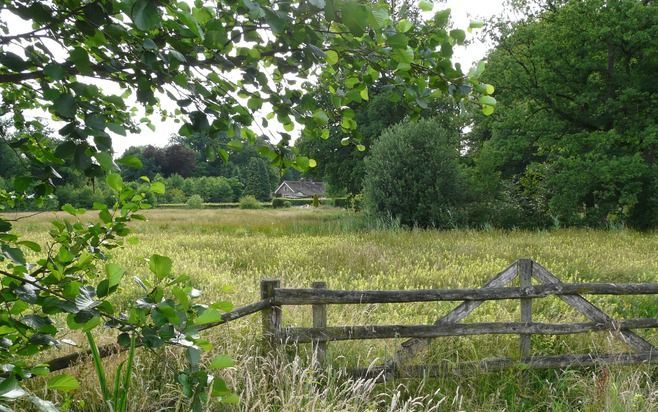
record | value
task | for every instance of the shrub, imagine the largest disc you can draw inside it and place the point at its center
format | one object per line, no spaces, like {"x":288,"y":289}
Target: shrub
{"x":278,"y":202}
{"x":195,"y":202}
{"x":249,"y":202}
{"x":355,"y":202}
{"x":287,"y":203}
{"x":175,"y":195}
{"x":316,"y":201}
{"x":413,"y":175}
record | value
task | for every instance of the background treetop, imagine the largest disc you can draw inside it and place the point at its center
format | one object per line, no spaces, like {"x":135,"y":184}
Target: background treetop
{"x":220,"y":62}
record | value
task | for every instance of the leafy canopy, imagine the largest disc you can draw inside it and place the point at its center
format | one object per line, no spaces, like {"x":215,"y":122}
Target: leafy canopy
{"x":229,"y":69}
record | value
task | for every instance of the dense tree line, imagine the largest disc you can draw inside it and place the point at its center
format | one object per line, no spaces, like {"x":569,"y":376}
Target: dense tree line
{"x":187,"y":158}
{"x":574,"y":138}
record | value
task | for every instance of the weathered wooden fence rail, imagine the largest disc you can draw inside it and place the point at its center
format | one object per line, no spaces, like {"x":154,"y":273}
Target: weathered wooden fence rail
{"x":274,"y":297}
{"x":525,"y":270}
{"x":332,"y":296}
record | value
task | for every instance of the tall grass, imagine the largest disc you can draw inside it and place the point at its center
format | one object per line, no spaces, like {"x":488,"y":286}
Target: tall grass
{"x":228,"y":251}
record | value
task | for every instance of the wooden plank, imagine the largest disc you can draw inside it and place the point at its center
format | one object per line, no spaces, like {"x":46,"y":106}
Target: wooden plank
{"x":272,"y":313}
{"x":341,"y":333}
{"x":592,"y":312}
{"x":411,"y":347}
{"x":524,"y":269}
{"x":320,"y":321}
{"x":332,"y":296}
{"x":239,"y":313}
{"x":497,"y":364}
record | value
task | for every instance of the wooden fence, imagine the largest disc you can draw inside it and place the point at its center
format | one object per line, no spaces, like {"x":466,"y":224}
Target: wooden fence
{"x":274,"y":297}
{"x":525,"y":270}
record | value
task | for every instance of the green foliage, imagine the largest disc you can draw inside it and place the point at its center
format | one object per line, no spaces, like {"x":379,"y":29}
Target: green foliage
{"x":575,"y":133}
{"x":249,"y":202}
{"x":149,"y":49}
{"x":315,"y":201}
{"x":413,"y":175}
{"x":195,"y":202}
{"x":279,"y":202}
{"x":258,"y":182}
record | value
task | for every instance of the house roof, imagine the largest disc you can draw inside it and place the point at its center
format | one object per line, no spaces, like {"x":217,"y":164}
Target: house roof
{"x":302,"y":188}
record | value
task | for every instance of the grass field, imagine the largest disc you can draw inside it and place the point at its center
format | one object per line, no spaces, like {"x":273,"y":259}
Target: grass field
{"x":227,"y":252}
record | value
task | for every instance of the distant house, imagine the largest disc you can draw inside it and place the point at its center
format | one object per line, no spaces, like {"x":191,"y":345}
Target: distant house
{"x":299,"y":189}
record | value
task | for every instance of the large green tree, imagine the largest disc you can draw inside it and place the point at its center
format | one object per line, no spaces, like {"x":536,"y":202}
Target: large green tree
{"x":576,"y":132}
{"x":216,"y":66}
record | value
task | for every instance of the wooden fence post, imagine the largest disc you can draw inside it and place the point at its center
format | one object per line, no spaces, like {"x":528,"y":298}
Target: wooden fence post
{"x":320,"y":321}
{"x":271,"y":314}
{"x":525,"y":279}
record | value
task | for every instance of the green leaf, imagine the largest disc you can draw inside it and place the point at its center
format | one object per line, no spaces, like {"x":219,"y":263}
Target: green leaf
{"x":209,"y":315}
{"x":158,"y":188}
{"x":117,"y":128}
{"x":222,"y":362}
{"x":312,"y":163}
{"x":425,"y":5}
{"x":30,"y":245}
{"x":405,"y":56}
{"x":63,"y":383}
{"x":360,"y":148}
{"x":114,"y":274}
{"x":12,"y":61}
{"x":379,"y":16}
{"x":10,"y":389}
{"x":321,"y":117}
{"x":68,"y":208}
{"x":354,"y":16}
{"x":80,"y":59}
{"x":364,"y":93}
{"x":114,"y":181}
{"x":331,"y":56}
{"x":229,"y":399}
{"x":65,"y":106}
{"x":489,"y":89}
{"x":105,"y":216}
{"x":104,"y":159}
{"x":131,"y":161}
{"x":487,"y":110}
{"x":403,"y":26}
{"x":160,"y":266}
{"x":255,"y":103}
{"x":489,"y":100}
{"x":4,"y":226}
{"x":54,"y":71}
{"x":458,"y":35}
{"x":145,"y":15}
{"x":475,"y":24}
{"x":14,"y":254}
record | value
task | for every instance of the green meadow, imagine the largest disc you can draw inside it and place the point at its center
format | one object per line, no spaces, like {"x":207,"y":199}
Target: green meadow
{"x":227,"y":253}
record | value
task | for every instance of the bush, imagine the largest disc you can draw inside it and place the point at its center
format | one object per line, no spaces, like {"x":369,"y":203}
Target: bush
{"x":278,"y":202}
{"x":174,"y":195}
{"x":249,"y":202}
{"x":316,"y":201}
{"x":413,"y":175}
{"x":287,"y":203}
{"x":195,"y":202}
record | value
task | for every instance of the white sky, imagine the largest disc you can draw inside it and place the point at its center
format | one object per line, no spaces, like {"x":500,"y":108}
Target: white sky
{"x":462,"y":12}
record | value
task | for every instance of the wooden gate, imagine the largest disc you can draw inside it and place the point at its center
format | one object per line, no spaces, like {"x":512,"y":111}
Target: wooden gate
{"x":497,"y":288}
